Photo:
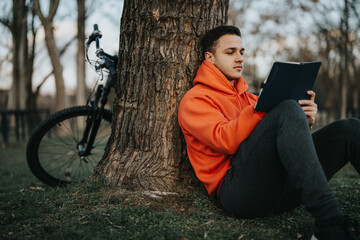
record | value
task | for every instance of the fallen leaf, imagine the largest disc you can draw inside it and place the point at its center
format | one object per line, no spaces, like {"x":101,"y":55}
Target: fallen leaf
{"x":209,"y":222}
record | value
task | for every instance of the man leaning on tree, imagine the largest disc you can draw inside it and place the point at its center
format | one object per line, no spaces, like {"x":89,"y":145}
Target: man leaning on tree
{"x":257,"y":163}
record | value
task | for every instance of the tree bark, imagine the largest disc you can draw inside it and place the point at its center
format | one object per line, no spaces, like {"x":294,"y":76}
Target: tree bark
{"x":158,"y":58}
{"x":80,"y":58}
{"x":47,"y":23}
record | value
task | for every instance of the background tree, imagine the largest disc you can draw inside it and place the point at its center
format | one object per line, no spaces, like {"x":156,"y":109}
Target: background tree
{"x":159,"y":55}
{"x":340,"y":36}
{"x":21,"y":95}
{"x":53,"y":51}
{"x":80,"y":57}
{"x":22,"y":76}
{"x":306,"y":30}
{"x":31,"y":96}
{"x":34,"y":82}
{"x":18,"y":28}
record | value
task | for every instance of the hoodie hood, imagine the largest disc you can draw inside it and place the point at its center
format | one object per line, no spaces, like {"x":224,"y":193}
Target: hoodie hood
{"x":209,"y":75}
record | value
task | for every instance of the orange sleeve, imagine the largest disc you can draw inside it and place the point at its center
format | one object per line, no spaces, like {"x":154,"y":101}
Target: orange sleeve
{"x":202,"y":119}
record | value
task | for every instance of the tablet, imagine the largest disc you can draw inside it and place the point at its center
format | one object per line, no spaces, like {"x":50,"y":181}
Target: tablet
{"x":287,"y":80}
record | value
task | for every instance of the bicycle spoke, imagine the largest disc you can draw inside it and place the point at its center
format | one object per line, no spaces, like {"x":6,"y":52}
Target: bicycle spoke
{"x":59,"y":166}
{"x":64,"y":142}
{"x":66,"y":130}
{"x":92,"y":162}
{"x":46,"y":143}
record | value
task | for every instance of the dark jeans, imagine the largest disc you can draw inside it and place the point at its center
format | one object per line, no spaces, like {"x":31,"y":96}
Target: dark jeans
{"x":281,"y":165}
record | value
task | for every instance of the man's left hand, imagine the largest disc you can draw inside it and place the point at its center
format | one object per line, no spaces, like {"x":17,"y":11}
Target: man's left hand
{"x":309,"y":107}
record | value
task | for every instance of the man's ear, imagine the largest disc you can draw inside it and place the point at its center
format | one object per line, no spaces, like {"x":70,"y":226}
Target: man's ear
{"x":210,"y":57}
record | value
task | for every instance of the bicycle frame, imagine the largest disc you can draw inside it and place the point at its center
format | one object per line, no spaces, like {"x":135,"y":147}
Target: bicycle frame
{"x":94,"y":119}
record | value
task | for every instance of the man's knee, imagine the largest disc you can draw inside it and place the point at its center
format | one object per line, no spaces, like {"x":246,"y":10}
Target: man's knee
{"x":288,"y":106}
{"x":352,"y":123}
{"x":348,"y":126}
{"x":290,"y":110}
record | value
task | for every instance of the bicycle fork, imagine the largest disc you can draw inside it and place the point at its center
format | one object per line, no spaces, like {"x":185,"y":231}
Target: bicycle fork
{"x":93,"y":121}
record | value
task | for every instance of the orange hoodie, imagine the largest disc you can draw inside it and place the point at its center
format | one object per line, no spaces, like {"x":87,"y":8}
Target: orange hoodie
{"x":215,"y":117}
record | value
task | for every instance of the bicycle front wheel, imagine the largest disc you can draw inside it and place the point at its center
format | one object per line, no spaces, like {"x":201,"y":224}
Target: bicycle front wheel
{"x":53,"y":153}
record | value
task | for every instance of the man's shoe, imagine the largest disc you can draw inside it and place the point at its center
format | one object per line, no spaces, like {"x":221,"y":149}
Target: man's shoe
{"x":338,"y":228}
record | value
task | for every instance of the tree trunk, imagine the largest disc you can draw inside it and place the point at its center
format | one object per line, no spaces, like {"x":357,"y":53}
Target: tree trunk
{"x":56,"y":64}
{"x":356,"y":85}
{"x":345,"y":76}
{"x":159,"y":55}
{"x":17,"y":96}
{"x":81,"y":86}
{"x":53,"y":51}
{"x":31,"y":97}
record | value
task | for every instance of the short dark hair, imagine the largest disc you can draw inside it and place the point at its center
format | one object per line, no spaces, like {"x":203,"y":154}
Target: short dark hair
{"x":209,"y":40}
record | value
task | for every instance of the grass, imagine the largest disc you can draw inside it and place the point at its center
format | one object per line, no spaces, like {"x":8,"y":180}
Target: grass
{"x":31,"y":210}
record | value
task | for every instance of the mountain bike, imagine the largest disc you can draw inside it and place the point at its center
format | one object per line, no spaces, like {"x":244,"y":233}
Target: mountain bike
{"x":67,"y":145}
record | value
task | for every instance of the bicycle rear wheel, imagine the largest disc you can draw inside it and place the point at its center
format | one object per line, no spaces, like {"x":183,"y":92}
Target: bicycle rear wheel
{"x":53,"y":153}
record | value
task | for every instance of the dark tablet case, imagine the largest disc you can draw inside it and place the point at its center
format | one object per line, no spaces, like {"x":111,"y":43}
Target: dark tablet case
{"x":287,"y":80}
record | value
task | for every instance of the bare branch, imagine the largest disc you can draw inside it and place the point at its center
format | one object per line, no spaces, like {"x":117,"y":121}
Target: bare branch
{"x":64,"y":48}
{"x":53,"y":8}
{"x":6,"y":22}
{"x":38,"y":10}
{"x":355,"y":10}
{"x":6,"y":18}
{"x":61,"y":52}
{"x":42,"y":82}
{"x":34,"y":32}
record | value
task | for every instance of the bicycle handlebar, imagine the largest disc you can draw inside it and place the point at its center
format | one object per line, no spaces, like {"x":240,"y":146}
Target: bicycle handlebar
{"x":95,"y":36}
{"x":98,"y":35}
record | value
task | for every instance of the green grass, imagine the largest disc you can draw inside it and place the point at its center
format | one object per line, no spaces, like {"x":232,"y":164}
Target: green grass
{"x":31,"y":210}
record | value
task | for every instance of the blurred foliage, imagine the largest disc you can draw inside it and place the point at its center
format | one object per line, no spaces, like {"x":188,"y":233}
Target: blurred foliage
{"x":305,"y":30}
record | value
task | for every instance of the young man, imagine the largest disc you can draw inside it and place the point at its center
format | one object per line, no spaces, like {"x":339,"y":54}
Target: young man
{"x":258,"y":164}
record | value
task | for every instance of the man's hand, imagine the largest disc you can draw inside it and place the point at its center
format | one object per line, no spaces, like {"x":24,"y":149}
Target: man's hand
{"x":309,"y":107}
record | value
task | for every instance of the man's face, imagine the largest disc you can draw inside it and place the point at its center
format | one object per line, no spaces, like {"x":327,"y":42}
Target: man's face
{"x":228,"y":56}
